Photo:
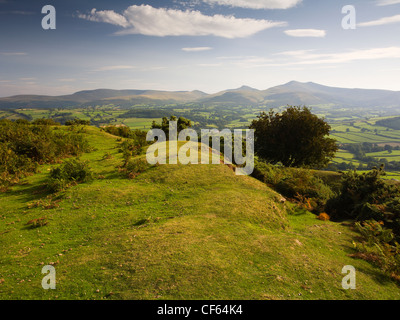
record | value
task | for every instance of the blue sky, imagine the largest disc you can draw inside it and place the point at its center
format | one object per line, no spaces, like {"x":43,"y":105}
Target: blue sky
{"x":207,"y":45}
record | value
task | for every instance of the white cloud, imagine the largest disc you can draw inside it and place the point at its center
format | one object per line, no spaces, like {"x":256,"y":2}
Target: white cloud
{"x":304,"y":57}
{"x":312,"y":58}
{"x":162,"y":22}
{"x":197,"y":49}
{"x":306,"y":33}
{"x":257,"y":4}
{"x":381,"y":22}
{"x":107,"y":16}
{"x":295,"y":53}
{"x":387,"y":2}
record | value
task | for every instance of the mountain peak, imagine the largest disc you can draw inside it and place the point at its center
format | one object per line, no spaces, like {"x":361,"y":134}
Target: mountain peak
{"x":246,"y":88}
{"x":243,"y":88}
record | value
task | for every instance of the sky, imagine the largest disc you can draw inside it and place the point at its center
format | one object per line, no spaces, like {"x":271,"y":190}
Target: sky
{"x":207,"y":45}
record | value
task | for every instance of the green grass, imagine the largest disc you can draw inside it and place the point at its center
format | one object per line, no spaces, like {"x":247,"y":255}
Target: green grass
{"x":138,"y":123}
{"x":174,"y":232}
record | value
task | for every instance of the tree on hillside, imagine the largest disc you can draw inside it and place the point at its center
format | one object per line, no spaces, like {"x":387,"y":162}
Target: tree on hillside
{"x":295,"y":138}
{"x":183,"y":123}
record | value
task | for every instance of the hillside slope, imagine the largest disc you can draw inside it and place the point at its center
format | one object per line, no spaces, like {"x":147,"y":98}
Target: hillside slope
{"x":173,"y":232}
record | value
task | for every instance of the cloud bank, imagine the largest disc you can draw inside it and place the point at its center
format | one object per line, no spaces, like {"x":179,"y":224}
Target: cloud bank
{"x":387,"y":2}
{"x":381,"y":22}
{"x":197,"y":49}
{"x":161,"y":22}
{"x":257,"y":4}
{"x":306,"y":33}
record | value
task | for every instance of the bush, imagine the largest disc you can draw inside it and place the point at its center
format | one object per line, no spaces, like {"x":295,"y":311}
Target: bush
{"x":69,"y":173}
{"x":297,"y":184}
{"x":45,"y":122}
{"x":134,"y":167}
{"x":77,"y":121}
{"x":377,"y":245}
{"x":130,"y":148}
{"x":24,"y":146}
{"x":368,"y":197}
{"x":126,"y":132}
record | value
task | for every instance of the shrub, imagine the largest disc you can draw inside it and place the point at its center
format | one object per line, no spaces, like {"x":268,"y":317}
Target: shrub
{"x":377,"y":245}
{"x":134,"y":167}
{"x":24,"y":146}
{"x":126,"y":132}
{"x":301,"y":185}
{"x":45,"y":122}
{"x":130,"y":148}
{"x":368,"y":197}
{"x":77,"y":122}
{"x":69,"y":173}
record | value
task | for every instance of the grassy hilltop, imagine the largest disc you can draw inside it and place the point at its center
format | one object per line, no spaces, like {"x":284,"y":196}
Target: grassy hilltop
{"x":173,"y":232}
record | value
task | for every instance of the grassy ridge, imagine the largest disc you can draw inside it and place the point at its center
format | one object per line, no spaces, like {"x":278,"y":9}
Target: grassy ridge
{"x":174,"y":232}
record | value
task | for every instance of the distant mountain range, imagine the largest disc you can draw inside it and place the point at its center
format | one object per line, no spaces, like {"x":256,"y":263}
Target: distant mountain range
{"x":292,"y":93}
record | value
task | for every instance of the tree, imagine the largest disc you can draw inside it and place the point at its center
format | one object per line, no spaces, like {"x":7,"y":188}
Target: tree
{"x":183,"y":123}
{"x":296,"y":138}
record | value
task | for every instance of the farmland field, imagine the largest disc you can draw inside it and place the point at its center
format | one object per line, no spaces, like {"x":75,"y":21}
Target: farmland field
{"x":347,"y":128}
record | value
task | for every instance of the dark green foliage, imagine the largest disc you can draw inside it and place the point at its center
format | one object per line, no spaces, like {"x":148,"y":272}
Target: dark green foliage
{"x":129,"y":149}
{"x":392,"y":123}
{"x":366,"y":196}
{"x":295,"y":138}
{"x":77,"y":122}
{"x":24,"y":146}
{"x":45,"y":122}
{"x":134,"y":145}
{"x":378,"y":245}
{"x":301,"y":185}
{"x":69,"y":173}
{"x":183,"y":123}
{"x":126,"y":132}
{"x":133,"y":167}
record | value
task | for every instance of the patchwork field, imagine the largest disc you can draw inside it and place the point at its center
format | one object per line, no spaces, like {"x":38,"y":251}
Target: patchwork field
{"x":350,"y":130}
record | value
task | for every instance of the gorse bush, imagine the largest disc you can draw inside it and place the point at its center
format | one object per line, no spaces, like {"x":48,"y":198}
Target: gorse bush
{"x":45,"y":122}
{"x":297,"y":184}
{"x":126,"y":132}
{"x":24,"y":146}
{"x":134,"y":167}
{"x":77,"y":121}
{"x":377,"y":244}
{"x":69,"y":173}
{"x":367,"y":197}
{"x":130,"y":148}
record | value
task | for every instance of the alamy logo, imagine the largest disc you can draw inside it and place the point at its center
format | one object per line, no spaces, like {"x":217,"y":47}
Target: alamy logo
{"x":349,"y":281}
{"x":190,"y":152}
{"x":49,"y":281}
{"x":49,"y":20}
